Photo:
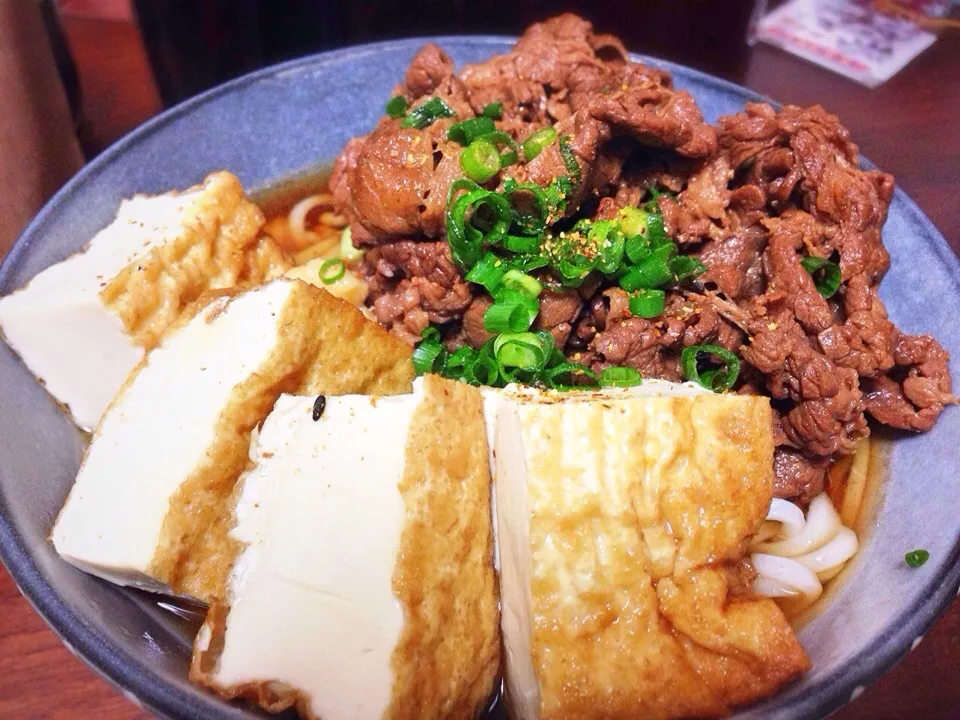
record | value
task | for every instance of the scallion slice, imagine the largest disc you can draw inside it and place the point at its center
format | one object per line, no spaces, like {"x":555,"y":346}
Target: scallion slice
{"x":426,"y":113}
{"x":651,"y":273}
{"x":637,"y":249}
{"x":506,"y":317}
{"x":716,"y":379}
{"x":610,"y":245}
{"x":466,"y":131}
{"x":493,"y":110}
{"x":518,"y":350}
{"x":396,"y":106}
{"x":502,"y":140}
{"x":826,"y":274}
{"x":534,"y":144}
{"x":521,"y":244}
{"x":569,"y":159}
{"x":480,"y":161}
{"x":477,"y":218}
{"x":332,"y":270}
{"x":488,"y":271}
{"x":619,"y":376}
{"x":685,"y":267}
{"x":647,"y":303}
{"x":430,"y":355}
{"x":530,"y":206}
{"x":551,"y":376}
{"x":527,"y":284}
{"x":916,"y":558}
{"x":633,"y":221}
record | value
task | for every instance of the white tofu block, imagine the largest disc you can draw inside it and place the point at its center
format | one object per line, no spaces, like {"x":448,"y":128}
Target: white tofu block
{"x":160,"y":430}
{"x":75,"y":324}
{"x":317,"y":612}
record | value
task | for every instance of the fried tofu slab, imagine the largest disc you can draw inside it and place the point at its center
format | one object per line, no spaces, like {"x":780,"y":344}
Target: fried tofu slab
{"x":364,"y":584}
{"x":150,"y":503}
{"x":622,"y":525}
{"x":83,"y":324}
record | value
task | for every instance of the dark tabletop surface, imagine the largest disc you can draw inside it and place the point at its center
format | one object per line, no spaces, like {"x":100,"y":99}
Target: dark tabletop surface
{"x":910,"y":126}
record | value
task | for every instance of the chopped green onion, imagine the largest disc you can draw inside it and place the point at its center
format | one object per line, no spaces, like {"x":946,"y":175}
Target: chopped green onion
{"x":518,"y":350}
{"x":916,"y":558}
{"x":348,"y":252}
{"x":332,"y":270}
{"x":826,"y":274}
{"x":637,"y":249}
{"x":651,"y":273}
{"x":504,"y":317}
{"x":530,"y":218}
{"x":488,"y":271}
{"x":534,"y":144}
{"x":633,"y":221}
{"x":396,"y":106}
{"x":425,"y":114}
{"x":569,"y":159}
{"x":468,"y":130}
{"x":718,"y":379}
{"x":619,"y":376}
{"x":493,"y":110}
{"x":501,"y":140}
{"x":527,"y":284}
{"x":550,"y":376}
{"x":430,"y":355}
{"x":609,"y":242}
{"x":483,"y":371}
{"x":647,"y":303}
{"x":480,"y":161}
{"x":573,"y":271}
{"x":685,"y":267}
{"x":476,"y":218}
{"x":521,"y":244}
{"x":458,"y":362}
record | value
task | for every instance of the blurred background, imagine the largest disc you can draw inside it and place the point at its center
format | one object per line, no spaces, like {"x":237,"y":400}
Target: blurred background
{"x":76,"y":75}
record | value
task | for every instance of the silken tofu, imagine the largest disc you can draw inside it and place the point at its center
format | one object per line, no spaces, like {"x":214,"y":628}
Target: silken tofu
{"x":364,"y":586}
{"x":150,"y":504}
{"x":621,"y":517}
{"x":83,"y":324}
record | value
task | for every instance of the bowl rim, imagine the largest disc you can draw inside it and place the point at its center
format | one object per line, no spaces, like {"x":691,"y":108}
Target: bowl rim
{"x":144,"y":687}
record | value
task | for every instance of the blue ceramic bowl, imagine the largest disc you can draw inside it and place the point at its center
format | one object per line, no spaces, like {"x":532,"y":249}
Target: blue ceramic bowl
{"x":290,"y":118}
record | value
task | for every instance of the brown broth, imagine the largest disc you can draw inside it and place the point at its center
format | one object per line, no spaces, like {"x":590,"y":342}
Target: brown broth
{"x":279,"y":197}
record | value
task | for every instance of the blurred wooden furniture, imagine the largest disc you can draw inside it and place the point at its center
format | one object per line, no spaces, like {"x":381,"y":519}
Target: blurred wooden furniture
{"x":909,"y":127}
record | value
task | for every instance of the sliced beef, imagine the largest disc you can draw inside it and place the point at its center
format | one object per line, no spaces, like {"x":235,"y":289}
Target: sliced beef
{"x":634,"y":342}
{"x":394,"y":182}
{"x":866,"y":340}
{"x":797,"y":477}
{"x":916,"y":401}
{"x":735,"y":263}
{"x":558,"y":313}
{"x":413,"y":284}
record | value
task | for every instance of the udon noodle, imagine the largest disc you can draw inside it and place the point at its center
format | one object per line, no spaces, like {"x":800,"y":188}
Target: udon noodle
{"x":795,"y":553}
{"x":313,"y":235}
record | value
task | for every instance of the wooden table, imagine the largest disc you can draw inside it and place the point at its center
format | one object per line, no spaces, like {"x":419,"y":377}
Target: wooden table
{"x":910,"y":126}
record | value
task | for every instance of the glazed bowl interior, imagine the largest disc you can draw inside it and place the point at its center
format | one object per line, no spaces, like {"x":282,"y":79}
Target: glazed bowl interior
{"x":294,"y":118}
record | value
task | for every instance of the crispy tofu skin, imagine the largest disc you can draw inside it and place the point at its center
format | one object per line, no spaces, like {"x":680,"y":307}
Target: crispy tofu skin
{"x":618,"y":519}
{"x":449,"y":654}
{"x":347,"y":354}
{"x":216,"y":247}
